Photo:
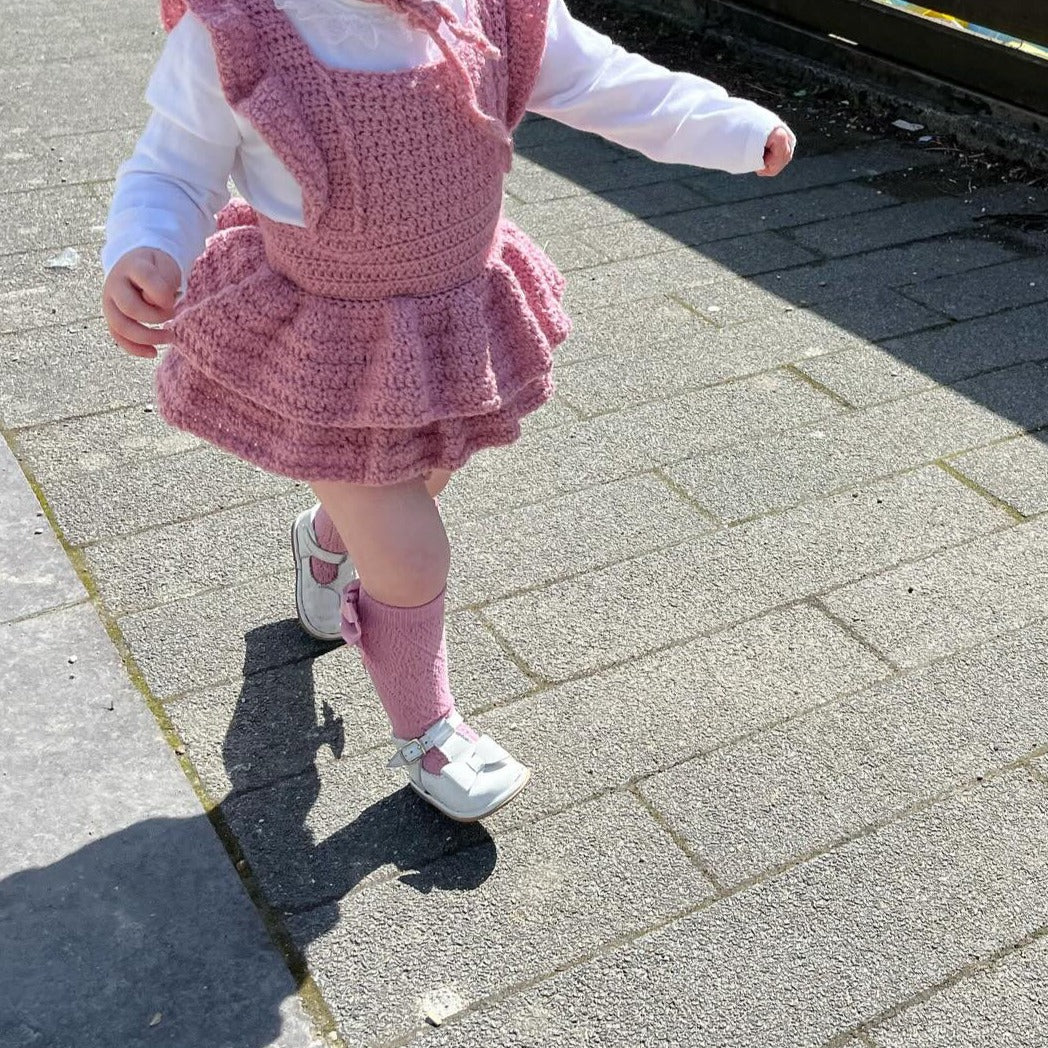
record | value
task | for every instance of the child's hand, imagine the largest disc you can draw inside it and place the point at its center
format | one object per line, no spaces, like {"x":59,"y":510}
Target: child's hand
{"x":778,"y":152}
{"x":140,"y":289}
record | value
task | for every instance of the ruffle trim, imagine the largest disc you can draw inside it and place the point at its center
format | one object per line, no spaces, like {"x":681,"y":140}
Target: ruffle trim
{"x":191,"y":401}
{"x":402,"y":362}
{"x":258,"y":91}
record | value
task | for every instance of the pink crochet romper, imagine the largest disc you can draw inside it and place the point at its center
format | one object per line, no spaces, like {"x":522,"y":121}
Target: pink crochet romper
{"x":408,"y":324}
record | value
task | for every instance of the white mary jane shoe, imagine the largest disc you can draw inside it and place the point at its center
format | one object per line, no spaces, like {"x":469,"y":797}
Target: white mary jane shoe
{"x":479,"y":778}
{"x":317,"y":603}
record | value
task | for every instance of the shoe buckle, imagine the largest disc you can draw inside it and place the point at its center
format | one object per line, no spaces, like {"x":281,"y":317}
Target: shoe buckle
{"x":409,"y":754}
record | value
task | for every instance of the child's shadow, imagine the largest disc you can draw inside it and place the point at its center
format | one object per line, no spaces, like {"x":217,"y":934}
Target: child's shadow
{"x":270,"y":756}
{"x":133,"y":940}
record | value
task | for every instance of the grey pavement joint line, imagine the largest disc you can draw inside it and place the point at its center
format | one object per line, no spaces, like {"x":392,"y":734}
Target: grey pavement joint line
{"x":1034,"y":432}
{"x":819,"y":387}
{"x":856,"y":635}
{"x":43,"y":612}
{"x":975,"y":968}
{"x":611,"y":946}
{"x":705,"y":317}
{"x":677,"y":839}
{"x":508,"y":651}
{"x":973,"y":485}
{"x":964,"y":379}
{"x":315,"y":1006}
{"x":729,"y":380}
{"x":870,"y":829}
{"x":1032,"y":769}
{"x":690,"y":638}
{"x":189,"y":518}
{"x":686,"y":496}
{"x":877,"y":478}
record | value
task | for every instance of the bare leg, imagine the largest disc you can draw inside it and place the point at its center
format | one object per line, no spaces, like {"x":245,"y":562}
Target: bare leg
{"x":395,"y":538}
{"x":329,"y":538}
{"x":437,"y":481}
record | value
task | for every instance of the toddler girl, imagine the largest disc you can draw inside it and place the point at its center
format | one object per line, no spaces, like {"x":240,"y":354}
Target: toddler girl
{"x":365,"y":319}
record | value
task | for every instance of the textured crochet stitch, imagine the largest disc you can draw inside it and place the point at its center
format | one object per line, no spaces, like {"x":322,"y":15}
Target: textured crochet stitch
{"x":407,"y":325}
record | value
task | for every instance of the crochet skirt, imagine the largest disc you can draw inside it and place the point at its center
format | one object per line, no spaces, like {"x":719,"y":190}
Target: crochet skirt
{"x":369,"y":392}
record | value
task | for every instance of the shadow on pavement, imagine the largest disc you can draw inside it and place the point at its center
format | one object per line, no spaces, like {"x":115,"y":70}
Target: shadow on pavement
{"x":138,"y":925}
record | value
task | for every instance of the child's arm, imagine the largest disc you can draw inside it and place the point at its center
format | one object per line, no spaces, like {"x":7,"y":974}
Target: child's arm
{"x":168,"y":192}
{"x":590,"y":83}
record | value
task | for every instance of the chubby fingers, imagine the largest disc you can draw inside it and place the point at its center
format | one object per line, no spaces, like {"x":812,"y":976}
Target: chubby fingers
{"x":778,"y":152}
{"x":127,"y":313}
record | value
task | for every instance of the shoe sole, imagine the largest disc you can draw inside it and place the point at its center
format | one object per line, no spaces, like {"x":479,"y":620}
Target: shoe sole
{"x":497,"y":806}
{"x":302,"y":564}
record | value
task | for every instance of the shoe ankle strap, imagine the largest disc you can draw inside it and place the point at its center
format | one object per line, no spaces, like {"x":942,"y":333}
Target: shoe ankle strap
{"x":412,"y":750}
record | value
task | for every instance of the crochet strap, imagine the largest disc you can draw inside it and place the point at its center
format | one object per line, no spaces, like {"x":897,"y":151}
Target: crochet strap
{"x":430,"y":16}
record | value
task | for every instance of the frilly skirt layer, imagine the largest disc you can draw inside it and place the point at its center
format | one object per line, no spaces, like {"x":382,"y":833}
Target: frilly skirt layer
{"x":367,"y":392}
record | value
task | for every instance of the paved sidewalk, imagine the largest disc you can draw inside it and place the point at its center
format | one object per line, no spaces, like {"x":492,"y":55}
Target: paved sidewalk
{"x":761,"y":596}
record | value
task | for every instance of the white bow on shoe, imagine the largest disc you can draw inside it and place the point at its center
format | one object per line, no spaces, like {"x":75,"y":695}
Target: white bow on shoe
{"x":479,"y":777}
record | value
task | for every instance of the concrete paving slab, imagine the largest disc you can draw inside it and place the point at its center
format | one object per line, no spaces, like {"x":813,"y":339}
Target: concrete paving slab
{"x":1015,"y":471}
{"x":820,"y":778}
{"x":989,"y":290}
{"x":757,"y":253}
{"x":36,"y":297}
{"x":707,"y":583}
{"x":108,"y":502}
{"x":743,"y":480}
{"x":545,"y":464}
{"x":566,"y":536}
{"x":899,"y":266}
{"x":55,"y":218}
{"x":673,"y":429}
{"x":58,"y":36}
{"x":35,"y":573}
{"x":870,"y":314}
{"x":201,"y":640}
{"x":570,"y":253}
{"x":116,"y":441}
{"x":868,"y":374}
{"x":638,"y":278}
{"x":531,"y":182}
{"x":951,"y":601}
{"x":110,"y":898}
{"x":65,"y":159}
{"x":628,"y":327}
{"x":38,"y":96}
{"x":809,"y":955}
{"x":96,"y":375}
{"x":786,"y":210}
{"x":1004,"y":1005}
{"x":194,"y":556}
{"x":558,"y":891}
{"x":916,"y":220}
{"x":697,"y":357}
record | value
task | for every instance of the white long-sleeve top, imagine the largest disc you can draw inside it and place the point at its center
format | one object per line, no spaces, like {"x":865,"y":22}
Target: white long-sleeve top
{"x":168,"y":192}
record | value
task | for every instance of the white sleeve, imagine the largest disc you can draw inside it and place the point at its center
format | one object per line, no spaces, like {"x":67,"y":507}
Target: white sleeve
{"x":168,"y":192}
{"x":590,"y":83}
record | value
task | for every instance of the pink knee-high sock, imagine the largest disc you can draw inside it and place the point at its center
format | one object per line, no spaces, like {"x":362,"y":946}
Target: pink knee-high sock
{"x":405,"y":654}
{"x":329,"y":539}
